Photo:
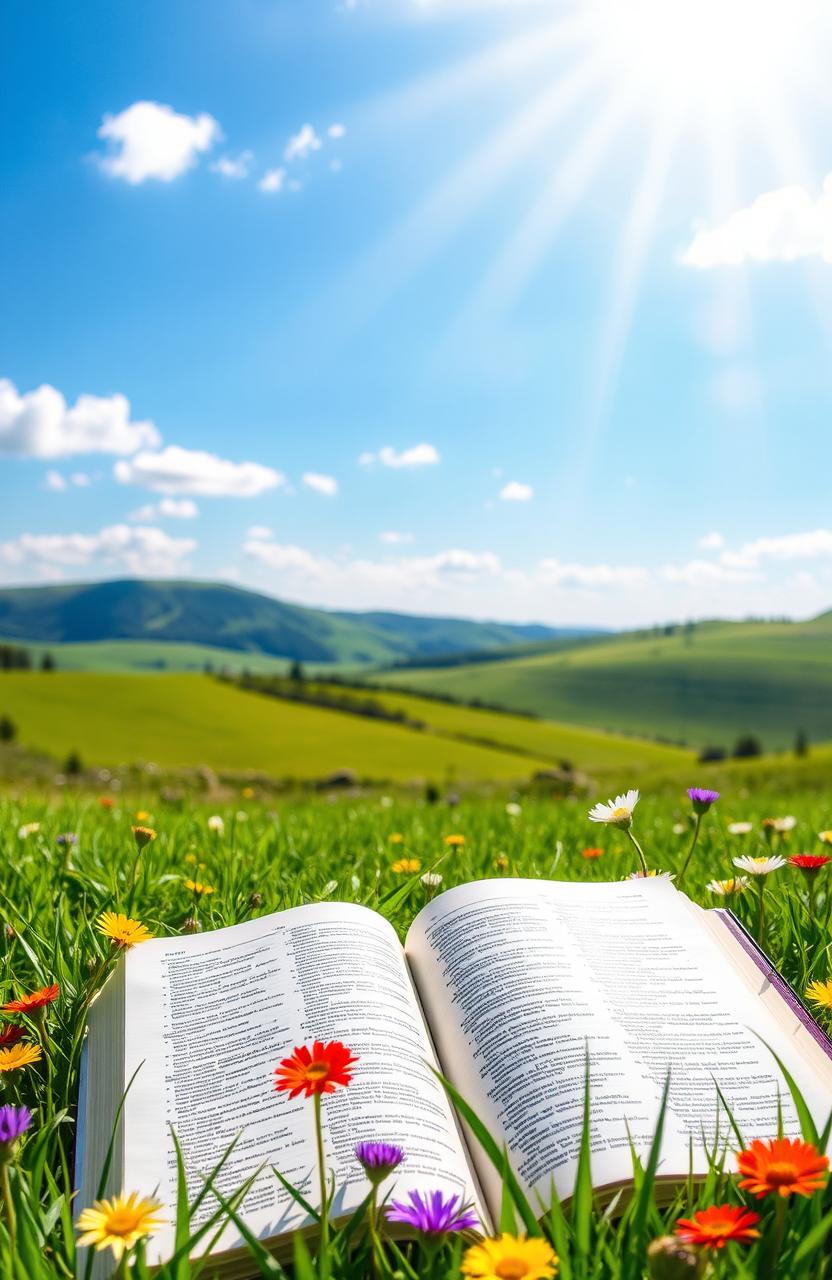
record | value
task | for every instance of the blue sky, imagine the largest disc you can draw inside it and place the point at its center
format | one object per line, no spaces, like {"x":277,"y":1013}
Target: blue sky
{"x":487,"y":307}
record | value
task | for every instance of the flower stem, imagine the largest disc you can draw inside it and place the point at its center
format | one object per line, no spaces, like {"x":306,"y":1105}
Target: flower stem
{"x":686,"y":863}
{"x":319,"y":1138}
{"x":639,"y":851}
{"x":771,"y":1254}
{"x":762,"y":912}
{"x":8,"y":1203}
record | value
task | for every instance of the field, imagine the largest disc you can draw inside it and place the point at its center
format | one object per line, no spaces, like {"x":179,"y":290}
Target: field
{"x":703,"y":686}
{"x":266,"y":859}
{"x":186,"y":720}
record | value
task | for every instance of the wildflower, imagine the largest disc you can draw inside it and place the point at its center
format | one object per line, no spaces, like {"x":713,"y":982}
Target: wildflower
{"x":406,"y":866}
{"x":716,"y":1225}
{"x":650,"y":875}
{"x":19,"y":1055}
{"x":378,"y":1159}
{"x":783,"y":825}
{"x":455,"y":841}
{"x":825,"y":836}
{"x":501,"y":862}
{"x":197,"y":887}
{"x":740,"y":828}
{"x":669,"y":1258}
{"x":119,"y":1223}
{"x":32,"y":1002}
{"x":396,"y":838}
{"x":432,"y":1214}
{"x":255,"y":899}
{"x":810,"y":862}
{"x":192,"y":860}
{"x":14,"y":1121}
{"x":142,"y":815}
{"x":508,"y":1257}
{"x":28,"y":829}
{"x":592,"y":854}
{"x":726,"y":887}
{"x":431,"y":879}
{"x":617,"y":812}
{"x":12,"y":1035}
{"x":121,"y":930}
{"x":65,"y":839}
{"x":247,"y":793}
{"x":513,"y":809}
{"x":143,"y":836}
{"x":106,"y":802}
{"x":782,"y":1166}
{"x":216,"y":824}
{"x":702,"y":799}
{"x":760,"y":866}
{"x":680,"y":829}
{"x":315,"y":1071}
{"x":191,"y":925}
{"x":820,"y":993}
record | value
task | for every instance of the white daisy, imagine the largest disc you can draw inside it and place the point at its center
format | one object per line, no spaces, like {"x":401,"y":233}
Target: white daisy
{"x":431,"y":879}
{"x":215,"y":823}
{"x":651,"y":875}
{"x":617,"y":812}
{"x":726,"y":887}
{"x":760,"y":866}
{"x":740,"y":828}
{"x":513,"y":809}
{"x":783,"y":825}
{"x":679,"y":828}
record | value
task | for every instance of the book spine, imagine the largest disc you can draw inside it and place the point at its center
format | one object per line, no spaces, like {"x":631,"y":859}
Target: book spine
{"x":786,"y":992}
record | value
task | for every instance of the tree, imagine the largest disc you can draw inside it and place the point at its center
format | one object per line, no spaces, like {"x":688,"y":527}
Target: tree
{"x":8,"y":729}
{"x":73,"y":765}
{"x":710,"y":755}
{"x":47,"y":662}
{"x":801,"y":744}
{"x":296,"y":674}
{"x":747,"y":746}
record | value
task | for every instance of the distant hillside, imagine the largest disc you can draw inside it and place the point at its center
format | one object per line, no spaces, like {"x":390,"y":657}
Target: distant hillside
{"x":704,"y":685}
{"x":198,"y":613}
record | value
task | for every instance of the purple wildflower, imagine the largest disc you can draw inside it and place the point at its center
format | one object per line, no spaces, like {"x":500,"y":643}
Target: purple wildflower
{"x":14,"y":1121}
{"x":432,"y":1214}
{"x":66,"y":837}
{"x":702,"y":799}
{"x":378,"y":1159}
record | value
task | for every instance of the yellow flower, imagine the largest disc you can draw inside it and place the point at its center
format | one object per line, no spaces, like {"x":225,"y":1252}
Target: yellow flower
{"x":820,"y":993}
{"x":396,"y":838}
{"x":19,"y":1055}
{"x":248,"y":793}
{"x":197,"y":887}
{"x":121,"y":930}
{"x":825,"y":836}
{"x":142,"y":815}
{"x":119,"y":1223}
{"x":407,"y":866}
{"x":455,"y":841}
{"x":501,"y":862}
{"x":143,"y":836}
{"x":510,"y":1257}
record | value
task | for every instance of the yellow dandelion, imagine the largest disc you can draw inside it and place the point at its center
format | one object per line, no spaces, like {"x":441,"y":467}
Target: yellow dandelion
{"x":825,"y":836}
{"x":396,"y":838}
{"x":406,"y":866}
{"x":455,"y":841}
{"x":19,"y":1055}
{"x":143,"y":836}
{"x":200,"y":889}
{"x":508,"y":1257}
{"x":142,"y":815}
{"x":820,"y":993}
{"x":119,"y":1223}
{"x":121,"y":930}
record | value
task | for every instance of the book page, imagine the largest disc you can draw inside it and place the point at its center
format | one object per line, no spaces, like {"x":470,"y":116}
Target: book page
{"x":209,"y":1018}
{"x":520,"y":978}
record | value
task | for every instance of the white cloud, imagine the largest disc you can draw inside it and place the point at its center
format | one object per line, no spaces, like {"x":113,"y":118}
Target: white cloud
{"x":40,"y":424}
{"x":55,"y":482}
{"x":394,"y":539}
{"x":302,"y":144}
{"x":791,"y":546}
{"x":260,"y":533}
{"x":327,"y":485}
{"x":168,"y":508}
{"x":402,"y":574}
{"x":138,"y":550}
{"x":272,"y":180}
{"x":233,"y":167}
{"x":337,"y":130}
{"x":418,"y":455}
{"x":554,"y":573}
{"x":151,"y":140}
{"x":516,"y":491}
{"x":779,"y":226}
{"x":280,"y":556}
{"x":191,"y":471}
{"x":702,"y":573}
{"x":712,"y":542}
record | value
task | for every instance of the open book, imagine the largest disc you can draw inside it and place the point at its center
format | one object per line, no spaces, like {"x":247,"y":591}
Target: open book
{"x":501,"y":984}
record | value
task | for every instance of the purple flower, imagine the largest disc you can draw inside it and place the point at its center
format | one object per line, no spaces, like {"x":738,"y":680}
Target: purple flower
{"x":14,"y":1121}
{"x":378,"y":1159}
{"x":702,"y":799}
{"x":66,"y":837}
{"x":432,"y":1213}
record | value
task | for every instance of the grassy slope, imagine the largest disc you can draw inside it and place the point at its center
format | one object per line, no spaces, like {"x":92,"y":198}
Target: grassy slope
{"x":181,"y":720}
{"x":155,"y":656}
{"x":768,"y":679}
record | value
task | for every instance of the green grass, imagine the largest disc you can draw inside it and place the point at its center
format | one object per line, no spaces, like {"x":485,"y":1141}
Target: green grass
{"x":770,"y":679}
{"x":306,"y":851}
{"x":148,"y":656}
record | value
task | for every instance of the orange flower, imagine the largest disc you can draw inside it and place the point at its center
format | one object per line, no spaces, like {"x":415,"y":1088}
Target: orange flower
{"x":455,"y":841}
{"x":11,"y":1035}
{"x":715,"y":1226}
{"x":592,"y":853}
{"x":19,"y":1055}
{"x":106,"y":802}
{"x":36,"y":1000}
{"x":317,"y":1070}
{"x":781,"y":1166}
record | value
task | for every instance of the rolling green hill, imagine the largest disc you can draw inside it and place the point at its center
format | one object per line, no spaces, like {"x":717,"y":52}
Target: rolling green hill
{"x":702,"y":686}
{"x":188,"y":720}
{"x":204,"y":613}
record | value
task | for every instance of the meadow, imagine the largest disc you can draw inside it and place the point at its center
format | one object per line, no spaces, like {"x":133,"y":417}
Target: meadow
{"x":70,"y":856}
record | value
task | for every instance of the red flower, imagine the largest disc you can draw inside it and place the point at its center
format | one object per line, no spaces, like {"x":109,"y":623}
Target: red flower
{"x":12,"y":1035}
{"x":592,"y":853}
{"x":781,"y":1166}
{"x":317,"y":1070}
{"x":809,"y":861}
{"x":715,"y":1226}
{"x":35,"y":1000}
